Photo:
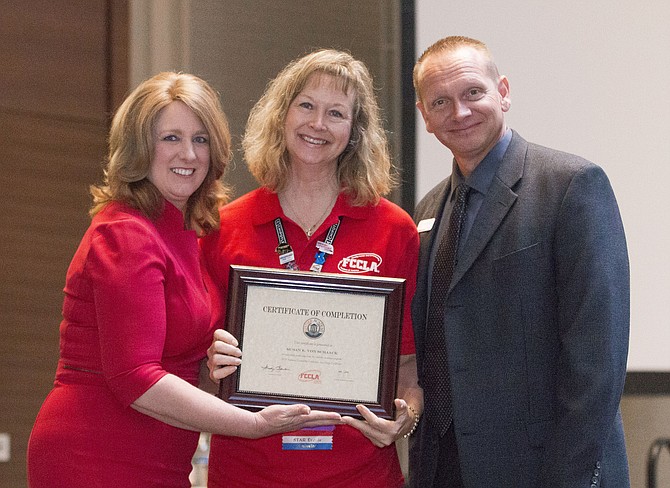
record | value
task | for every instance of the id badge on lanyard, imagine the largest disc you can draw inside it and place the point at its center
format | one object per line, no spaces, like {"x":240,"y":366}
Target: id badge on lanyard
{"x":287,"y":256}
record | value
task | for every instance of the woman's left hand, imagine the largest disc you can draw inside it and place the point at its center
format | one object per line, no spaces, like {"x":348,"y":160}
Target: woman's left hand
{"x":382,"y":432}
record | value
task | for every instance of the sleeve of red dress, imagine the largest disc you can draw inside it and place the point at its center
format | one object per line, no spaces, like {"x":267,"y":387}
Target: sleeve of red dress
{"x":127,"y":269}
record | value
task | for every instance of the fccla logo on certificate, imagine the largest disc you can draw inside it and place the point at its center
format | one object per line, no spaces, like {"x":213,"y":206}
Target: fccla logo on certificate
{"x":313,"y":328}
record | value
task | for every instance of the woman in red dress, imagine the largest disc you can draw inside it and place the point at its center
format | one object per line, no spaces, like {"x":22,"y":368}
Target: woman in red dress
{"x":125,"y":410}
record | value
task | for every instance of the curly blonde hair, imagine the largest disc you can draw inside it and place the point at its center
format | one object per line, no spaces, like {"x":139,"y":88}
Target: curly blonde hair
{"x":364,"y":168}
{"x":131,"y":149}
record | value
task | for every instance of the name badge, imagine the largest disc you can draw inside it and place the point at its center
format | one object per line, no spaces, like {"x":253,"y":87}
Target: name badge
{"x":325,"y":247}
{"x":307,"y":443}
{"x":425,"y":225}
{"x":309,"y":439}
{"x":286,"y":257}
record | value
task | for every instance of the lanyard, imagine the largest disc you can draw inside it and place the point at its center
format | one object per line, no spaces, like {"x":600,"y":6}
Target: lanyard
{"x":287,"y":257}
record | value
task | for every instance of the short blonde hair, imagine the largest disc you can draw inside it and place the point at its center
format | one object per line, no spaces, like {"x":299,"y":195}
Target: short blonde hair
{"x":131,"y":149}
{"x":450,"y":44}
{"x":364,"y":167}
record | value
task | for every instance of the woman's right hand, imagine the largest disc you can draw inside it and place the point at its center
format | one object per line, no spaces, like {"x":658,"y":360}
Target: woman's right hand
{"x":286,"y":418}
{"x":223,"y":356}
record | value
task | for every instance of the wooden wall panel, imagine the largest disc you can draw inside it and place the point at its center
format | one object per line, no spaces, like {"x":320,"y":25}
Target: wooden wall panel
{"x":54,"y":57}
{"x":64,"y":69}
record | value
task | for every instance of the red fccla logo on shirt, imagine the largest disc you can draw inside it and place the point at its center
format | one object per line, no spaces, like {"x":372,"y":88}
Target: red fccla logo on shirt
{"x":364,"y":262}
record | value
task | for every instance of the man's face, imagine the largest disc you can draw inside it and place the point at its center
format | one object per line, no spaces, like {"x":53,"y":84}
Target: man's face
{"x":463,"y":104}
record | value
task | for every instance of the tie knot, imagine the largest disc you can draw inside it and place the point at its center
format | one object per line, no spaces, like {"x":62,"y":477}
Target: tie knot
{"x":462,"y":192}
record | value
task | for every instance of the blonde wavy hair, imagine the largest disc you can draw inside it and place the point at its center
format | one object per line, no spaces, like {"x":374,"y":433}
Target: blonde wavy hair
{"x":364,"y":168}
{"x":131,"y":150}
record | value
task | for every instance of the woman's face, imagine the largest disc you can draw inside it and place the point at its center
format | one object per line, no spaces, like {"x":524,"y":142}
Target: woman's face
{"x":181,"y":153}
{"x":318,"y":122}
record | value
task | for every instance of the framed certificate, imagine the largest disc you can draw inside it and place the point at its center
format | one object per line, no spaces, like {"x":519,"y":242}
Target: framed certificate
{"x":330,"y":341}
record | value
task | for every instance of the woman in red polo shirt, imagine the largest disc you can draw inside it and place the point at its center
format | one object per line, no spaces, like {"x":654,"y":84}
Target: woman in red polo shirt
{"x":315,"y":143}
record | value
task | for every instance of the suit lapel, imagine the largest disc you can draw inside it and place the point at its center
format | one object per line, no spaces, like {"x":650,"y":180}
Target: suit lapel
{"x":427,"y":239}
{"x":496,"y":205}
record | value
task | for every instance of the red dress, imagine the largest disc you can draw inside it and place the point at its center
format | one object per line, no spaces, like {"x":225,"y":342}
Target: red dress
{"x":135,"y":309}
{"x":376,"y":240}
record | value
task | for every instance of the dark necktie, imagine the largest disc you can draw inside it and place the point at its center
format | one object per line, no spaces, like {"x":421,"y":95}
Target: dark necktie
{"x":438,"y":391}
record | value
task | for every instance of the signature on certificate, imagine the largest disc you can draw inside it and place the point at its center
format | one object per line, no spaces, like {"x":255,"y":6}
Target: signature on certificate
{"x":274,"y":369}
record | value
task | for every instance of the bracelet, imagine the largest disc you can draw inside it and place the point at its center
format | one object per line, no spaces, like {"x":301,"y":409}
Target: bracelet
{"x":416,"y":421}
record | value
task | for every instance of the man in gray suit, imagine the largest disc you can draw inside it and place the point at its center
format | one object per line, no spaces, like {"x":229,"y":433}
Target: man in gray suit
{"x":524,"y":372}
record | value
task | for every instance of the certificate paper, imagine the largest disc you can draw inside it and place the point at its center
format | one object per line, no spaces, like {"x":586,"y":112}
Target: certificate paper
{"x":306,"y":350}
{"x":326,"y":340}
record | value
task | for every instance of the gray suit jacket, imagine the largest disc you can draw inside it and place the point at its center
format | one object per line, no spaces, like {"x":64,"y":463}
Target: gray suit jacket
{"x":537,"y":323}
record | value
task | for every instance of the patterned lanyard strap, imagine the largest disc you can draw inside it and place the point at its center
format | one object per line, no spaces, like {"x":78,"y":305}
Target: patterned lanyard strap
{"x":287,"y":257}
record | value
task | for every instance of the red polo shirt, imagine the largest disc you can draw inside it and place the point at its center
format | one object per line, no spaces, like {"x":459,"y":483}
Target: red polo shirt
{"x":378,"y":240}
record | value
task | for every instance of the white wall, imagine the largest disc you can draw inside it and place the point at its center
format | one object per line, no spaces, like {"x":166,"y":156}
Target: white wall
{"x":591,"y":78}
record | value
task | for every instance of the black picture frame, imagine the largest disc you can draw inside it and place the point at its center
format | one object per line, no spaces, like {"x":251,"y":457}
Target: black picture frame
{"x":318,"y":290}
